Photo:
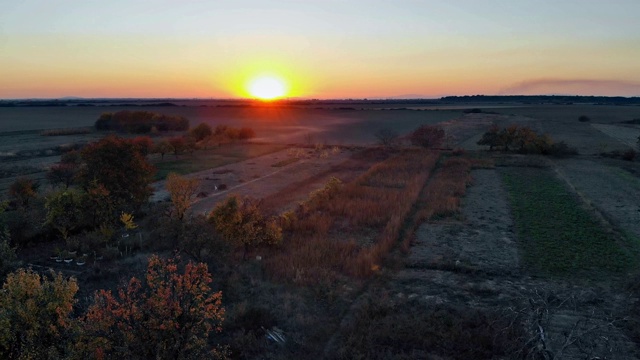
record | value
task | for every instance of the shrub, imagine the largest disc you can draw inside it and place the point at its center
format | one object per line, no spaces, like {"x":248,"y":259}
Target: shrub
{"x":246,"y":133}
{"x":23,"y":189}
{"x":240,"y":222}
{"x":202,"y":131}
{"x":64,"y":211}
{"x":63,"y":173}
{"x":427,"y":136}
{"x":583,"y":118}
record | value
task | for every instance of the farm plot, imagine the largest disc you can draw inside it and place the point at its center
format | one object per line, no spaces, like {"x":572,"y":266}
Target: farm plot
{"x":627,"y":135}
{"x":258,"y":178}
{"x":349,"y":229}
{"x":212,"y":158}
{"x":479,"y":304}
{"x":557,"y":235}
{"x":484,"y":240}
{"x":611,"y":190}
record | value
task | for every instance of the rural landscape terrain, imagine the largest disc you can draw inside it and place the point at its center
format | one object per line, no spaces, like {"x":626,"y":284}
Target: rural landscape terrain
{"x":459,"y":228}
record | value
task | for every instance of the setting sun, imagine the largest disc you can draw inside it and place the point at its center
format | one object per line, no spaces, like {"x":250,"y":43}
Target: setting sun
{"x":267,"y":87}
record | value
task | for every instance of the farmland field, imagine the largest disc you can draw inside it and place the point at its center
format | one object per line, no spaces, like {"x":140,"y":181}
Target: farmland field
{"x":387,"y":252}
{"x":557,"y":235}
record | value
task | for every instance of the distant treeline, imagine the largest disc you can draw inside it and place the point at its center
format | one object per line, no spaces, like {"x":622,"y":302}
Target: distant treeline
{"x":544,"y":99}
{"x":140,"y":122}
{"x":78,"y":103}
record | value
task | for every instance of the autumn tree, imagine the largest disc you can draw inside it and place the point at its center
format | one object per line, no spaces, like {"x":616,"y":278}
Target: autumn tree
{"x":23,"y":189}
{"x":182,"y":191}
{"x":507,"y":136}
{"x":166,"y":315}
{"x":117,"y":165}
{"x":64,"y":211}
{"x":491,"y":137}
{"x":240,"y":222}
{"x":162,"y":147}
{"x":201,"y":132}
{"x":143,"y":144}
{"x":525,"y":138}
{"x":178,"y":144}
{"x":190,"y":144}
{"x":35,"y":312}
{"x":63,"y":174}
{"x":99,"y":208}
{"x":427,"y":136}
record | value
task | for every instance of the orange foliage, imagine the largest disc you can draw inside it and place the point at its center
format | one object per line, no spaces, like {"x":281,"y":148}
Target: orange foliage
{"x":182,"y":191}
{"x":35,"y":314}
{"x":167,"y":316}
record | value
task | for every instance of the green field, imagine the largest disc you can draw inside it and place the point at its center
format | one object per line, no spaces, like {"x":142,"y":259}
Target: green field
{"x":207,"y":159}
{"x":557,"y":235}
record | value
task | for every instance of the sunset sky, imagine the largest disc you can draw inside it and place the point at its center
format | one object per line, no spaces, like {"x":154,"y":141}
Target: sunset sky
{"x":321,"y":49}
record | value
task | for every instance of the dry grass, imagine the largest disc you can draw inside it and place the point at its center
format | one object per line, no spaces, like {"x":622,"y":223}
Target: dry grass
{"x":441,"y":197}
{"x":324,"y":240}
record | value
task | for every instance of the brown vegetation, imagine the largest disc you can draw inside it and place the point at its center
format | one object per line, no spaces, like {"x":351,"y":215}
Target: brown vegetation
{"x":323,"y":233}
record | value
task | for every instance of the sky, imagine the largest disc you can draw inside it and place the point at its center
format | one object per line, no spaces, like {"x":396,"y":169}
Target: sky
{"x":319,"y":48}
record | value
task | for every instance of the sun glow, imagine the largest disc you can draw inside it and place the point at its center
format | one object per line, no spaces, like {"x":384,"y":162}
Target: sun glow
{"x":267,"y":87}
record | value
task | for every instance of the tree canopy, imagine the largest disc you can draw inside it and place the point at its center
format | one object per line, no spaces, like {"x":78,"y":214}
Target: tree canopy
{"x":120,"y":168}
{"x":166,"y":315}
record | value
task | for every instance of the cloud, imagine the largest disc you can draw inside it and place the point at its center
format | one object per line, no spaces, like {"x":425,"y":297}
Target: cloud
{"x":551,"y":86}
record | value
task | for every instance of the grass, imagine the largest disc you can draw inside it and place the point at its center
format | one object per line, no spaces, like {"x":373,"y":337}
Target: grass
{"x":207,"y":159}
{"x":557,"y":235}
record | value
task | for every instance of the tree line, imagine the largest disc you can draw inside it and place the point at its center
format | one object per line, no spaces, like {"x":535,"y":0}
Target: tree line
{"x":140,"y":122}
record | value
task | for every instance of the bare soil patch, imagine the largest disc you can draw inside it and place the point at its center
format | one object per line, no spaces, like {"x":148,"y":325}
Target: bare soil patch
{"x":484,"y":240}
{"x":255,"y":177}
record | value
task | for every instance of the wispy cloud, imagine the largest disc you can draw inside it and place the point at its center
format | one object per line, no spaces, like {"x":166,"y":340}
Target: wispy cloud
{"x":553,"y":86}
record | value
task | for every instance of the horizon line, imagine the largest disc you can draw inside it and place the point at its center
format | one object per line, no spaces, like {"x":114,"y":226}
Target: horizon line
{"x":377,"y":98}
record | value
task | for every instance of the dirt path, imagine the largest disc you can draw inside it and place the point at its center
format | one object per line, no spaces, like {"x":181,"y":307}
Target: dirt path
{"x":256,"y":177}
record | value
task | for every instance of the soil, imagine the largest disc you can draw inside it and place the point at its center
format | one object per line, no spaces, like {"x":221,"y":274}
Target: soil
{"x":473,"y":262}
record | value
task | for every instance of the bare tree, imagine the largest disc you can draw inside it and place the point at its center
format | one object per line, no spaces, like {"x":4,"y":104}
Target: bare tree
{"x":386,"y":137}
